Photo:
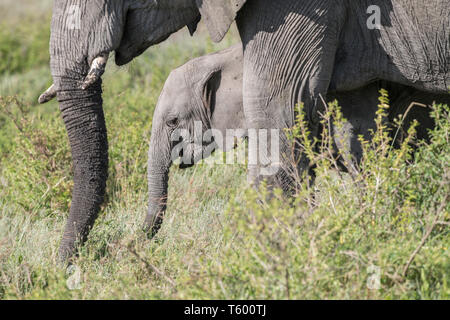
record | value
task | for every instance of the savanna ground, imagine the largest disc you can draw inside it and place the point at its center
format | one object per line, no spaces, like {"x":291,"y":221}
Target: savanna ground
{"x":381,"y":235}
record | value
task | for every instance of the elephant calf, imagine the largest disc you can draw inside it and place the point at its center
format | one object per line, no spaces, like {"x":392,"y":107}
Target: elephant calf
{"x":206,"y":93}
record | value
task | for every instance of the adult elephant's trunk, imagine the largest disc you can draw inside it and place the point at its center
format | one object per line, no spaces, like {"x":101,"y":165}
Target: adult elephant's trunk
{"x":82,"y":113}
{"x":159,"y":162}
{"x":83,"y":33}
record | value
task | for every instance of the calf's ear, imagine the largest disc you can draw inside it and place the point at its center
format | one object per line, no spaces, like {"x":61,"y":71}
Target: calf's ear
{"x":209,"y":87}
{"x":219,"y":15}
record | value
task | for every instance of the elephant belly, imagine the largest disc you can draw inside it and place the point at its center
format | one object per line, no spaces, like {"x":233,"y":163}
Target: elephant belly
{"x":410,"y":46}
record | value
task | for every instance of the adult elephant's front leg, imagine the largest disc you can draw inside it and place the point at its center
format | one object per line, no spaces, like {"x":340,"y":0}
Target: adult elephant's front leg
{"x":289,"y":50}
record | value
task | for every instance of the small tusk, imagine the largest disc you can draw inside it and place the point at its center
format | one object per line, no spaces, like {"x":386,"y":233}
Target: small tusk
{"x":97,"y":69}
{"x":48,"y":95}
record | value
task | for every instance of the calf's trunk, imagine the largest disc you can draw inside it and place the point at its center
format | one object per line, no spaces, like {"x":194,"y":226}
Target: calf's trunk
{"x":159,"y":162}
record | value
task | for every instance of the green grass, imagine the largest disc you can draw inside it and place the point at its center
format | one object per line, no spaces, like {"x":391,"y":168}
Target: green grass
{"x":220,"y":239}
{"x":24,"y":36}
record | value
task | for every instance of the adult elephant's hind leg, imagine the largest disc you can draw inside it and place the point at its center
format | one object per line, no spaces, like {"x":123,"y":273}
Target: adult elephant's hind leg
{"x":289,"y":50}
{"x":358,"y":108}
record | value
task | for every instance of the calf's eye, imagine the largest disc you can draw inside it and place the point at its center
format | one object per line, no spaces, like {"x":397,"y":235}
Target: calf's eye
{"x":172,"y":122}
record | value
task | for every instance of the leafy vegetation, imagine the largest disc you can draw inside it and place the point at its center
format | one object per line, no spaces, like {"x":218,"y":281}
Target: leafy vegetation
{"x":220,"y":238}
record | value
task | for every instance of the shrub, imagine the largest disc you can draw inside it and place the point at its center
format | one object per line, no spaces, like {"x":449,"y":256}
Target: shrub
{"x":337,"y":240}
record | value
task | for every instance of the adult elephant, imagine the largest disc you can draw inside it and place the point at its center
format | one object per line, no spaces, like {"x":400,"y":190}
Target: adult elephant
{"x":83,"y":33}
{"x":305,"y":50}
{"x":294,"y":50}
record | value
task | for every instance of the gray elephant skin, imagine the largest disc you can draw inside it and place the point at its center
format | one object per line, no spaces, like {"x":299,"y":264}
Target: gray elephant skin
{"x":294,"y":50}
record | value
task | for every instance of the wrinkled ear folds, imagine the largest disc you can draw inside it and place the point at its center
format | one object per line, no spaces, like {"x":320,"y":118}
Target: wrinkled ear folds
{"x":219,"y":15}
{"x":209,"y":88}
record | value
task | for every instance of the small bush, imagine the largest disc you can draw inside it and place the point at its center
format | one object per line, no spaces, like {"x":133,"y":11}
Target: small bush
{"x":38,"y":179}
{"x":382,"y":234}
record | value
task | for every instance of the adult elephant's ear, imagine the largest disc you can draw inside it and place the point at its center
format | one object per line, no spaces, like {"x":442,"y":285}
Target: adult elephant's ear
{"x":219,"y":15}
